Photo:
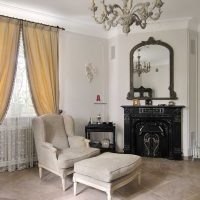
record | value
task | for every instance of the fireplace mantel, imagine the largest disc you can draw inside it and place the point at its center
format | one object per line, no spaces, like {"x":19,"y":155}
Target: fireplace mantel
{"x":153,"y":131}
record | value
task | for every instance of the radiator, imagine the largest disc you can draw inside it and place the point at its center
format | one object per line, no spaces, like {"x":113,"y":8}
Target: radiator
{"x":17,"y":149}
{"x":196,"y":153}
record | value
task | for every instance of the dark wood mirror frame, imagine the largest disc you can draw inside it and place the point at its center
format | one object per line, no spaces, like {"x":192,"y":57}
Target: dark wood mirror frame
{"x":152,"y":41}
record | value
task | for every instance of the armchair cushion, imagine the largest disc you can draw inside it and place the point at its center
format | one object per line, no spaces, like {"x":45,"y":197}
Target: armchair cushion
{"x":69,"y":156}
{"x":55,"y":131}
{"x":76,"y":141}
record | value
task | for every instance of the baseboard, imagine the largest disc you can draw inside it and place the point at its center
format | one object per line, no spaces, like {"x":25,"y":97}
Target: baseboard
{"x":187,"y":157}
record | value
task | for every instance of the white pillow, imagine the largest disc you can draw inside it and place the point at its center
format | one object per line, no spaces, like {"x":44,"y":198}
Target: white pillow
{"x":76,"y":141}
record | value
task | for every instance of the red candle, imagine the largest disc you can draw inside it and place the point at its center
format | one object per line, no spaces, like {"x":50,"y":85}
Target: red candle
{"x":98,"y":98}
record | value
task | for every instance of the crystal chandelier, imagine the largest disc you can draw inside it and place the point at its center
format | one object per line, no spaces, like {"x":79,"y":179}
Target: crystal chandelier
{"x":112,"y":15}
{"x":139,"y":68}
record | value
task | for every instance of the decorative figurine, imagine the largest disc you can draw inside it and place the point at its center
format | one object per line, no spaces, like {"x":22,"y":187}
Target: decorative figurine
{"x":90,"y":71}
{"x":171,"y":103}
{"x":148,"y":102}
{"x":105,"y":143}
{"x":99,"y":118}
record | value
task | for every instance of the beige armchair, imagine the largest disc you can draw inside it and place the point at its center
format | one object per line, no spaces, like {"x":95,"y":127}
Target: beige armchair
{"x":57,"y":146}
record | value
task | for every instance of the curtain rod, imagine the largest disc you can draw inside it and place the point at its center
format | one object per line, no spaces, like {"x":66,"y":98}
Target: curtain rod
{"x":33,"y":22}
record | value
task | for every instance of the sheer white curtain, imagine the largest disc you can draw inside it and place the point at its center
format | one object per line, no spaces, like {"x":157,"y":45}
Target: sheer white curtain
{"x":17,"y":149}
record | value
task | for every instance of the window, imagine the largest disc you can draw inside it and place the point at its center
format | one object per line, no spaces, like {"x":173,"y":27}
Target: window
{"x":17,"y":149}
{"x":21,"y":103}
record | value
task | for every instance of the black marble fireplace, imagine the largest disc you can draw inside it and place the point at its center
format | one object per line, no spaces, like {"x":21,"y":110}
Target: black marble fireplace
{"x":153,"y":131}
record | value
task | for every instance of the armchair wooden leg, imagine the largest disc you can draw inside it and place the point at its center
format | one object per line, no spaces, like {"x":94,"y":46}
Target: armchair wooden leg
{"x":40,"y":172}
{"x":75,"y":188}
{"x":63,"y":183}
{"x":109,"y":195}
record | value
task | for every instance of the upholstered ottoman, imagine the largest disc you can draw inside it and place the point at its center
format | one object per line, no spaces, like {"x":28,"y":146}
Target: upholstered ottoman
{"x":107,"y":172}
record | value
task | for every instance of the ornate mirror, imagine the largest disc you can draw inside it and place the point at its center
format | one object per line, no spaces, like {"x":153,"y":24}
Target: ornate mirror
{"x":152,"y":71}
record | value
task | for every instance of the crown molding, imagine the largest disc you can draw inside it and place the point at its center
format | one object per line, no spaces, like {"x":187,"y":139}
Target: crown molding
{"x":70,"y":25}
{"x":161,"y":25}
{"x":95,"y":30}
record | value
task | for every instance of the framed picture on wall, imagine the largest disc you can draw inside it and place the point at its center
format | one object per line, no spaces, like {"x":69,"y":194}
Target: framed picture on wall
{"x":136,"y":102}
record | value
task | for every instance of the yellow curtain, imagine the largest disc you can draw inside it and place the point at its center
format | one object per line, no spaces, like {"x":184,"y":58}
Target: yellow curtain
{"x":41,"y":52}
{"x":9,"y":42}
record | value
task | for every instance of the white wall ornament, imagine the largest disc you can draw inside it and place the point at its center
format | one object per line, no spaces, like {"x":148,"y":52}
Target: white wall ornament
{"x":90,"y":72}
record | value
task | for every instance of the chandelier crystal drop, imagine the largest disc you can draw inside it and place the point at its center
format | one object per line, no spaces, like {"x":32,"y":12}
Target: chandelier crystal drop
{"x":139,"y":68}
{"x":126,"y":15}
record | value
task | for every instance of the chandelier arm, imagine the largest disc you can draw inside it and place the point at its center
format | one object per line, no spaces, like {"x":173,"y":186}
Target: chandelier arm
{"x":143,"y":24}
{"x":157,"y":4}
{"x":114,"y":22}
{"x":116,"y":12}
{"x":142,"y":9}
{"x":139,"y":22}
{"x":103,"y":17}
{"x":127,"y":6}
{"x":104,"y":14}
{"x":131,"y":5}
{"x":138,"y":6}
{"x":108,"y":10}
{"x":115,"y":6}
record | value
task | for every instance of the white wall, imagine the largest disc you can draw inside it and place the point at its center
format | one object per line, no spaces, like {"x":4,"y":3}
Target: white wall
{"x":193,"y":92}
{"x":119,"y":76}
{"x":198,"y":71}
{"x":77,"y":95}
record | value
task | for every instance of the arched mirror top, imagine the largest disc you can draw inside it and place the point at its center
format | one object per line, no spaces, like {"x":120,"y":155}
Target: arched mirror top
{"x":152,"y":71}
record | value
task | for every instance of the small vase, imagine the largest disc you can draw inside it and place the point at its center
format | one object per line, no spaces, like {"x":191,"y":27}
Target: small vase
{"x":99,"y":119}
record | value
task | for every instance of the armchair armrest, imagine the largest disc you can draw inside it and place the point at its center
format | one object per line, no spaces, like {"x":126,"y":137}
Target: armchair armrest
{"x":48,"y":155}
{"x":53,"y":151}
{"x":49,"y":147}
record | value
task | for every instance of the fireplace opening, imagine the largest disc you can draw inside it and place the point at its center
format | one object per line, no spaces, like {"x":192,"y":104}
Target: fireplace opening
{"x":151,"y":139}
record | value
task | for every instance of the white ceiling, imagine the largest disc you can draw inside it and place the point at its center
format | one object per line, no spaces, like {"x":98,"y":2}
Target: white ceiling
{"x":79,"y":9}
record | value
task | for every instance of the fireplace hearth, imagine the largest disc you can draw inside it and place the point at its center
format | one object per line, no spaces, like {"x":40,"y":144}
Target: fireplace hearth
{"x":153,"y":131}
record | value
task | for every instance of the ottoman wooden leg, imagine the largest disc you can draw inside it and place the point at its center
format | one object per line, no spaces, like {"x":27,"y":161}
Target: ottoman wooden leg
{"x":40,"y":172}
{"x":63,"y":183}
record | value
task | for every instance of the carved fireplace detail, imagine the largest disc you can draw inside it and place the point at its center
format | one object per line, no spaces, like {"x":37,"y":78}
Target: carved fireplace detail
{"x":153,"y":131}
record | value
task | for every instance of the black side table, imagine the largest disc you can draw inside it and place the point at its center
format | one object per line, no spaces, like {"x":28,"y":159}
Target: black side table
{"x":103,"y":127}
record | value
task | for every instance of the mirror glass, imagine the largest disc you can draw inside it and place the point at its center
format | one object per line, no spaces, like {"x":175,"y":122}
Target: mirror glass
{"x":152,"y":71}
{"x":157,"y":77}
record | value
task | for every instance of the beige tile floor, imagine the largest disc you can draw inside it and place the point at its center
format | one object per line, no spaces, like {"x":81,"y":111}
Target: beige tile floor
{"x":161,"y":180}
